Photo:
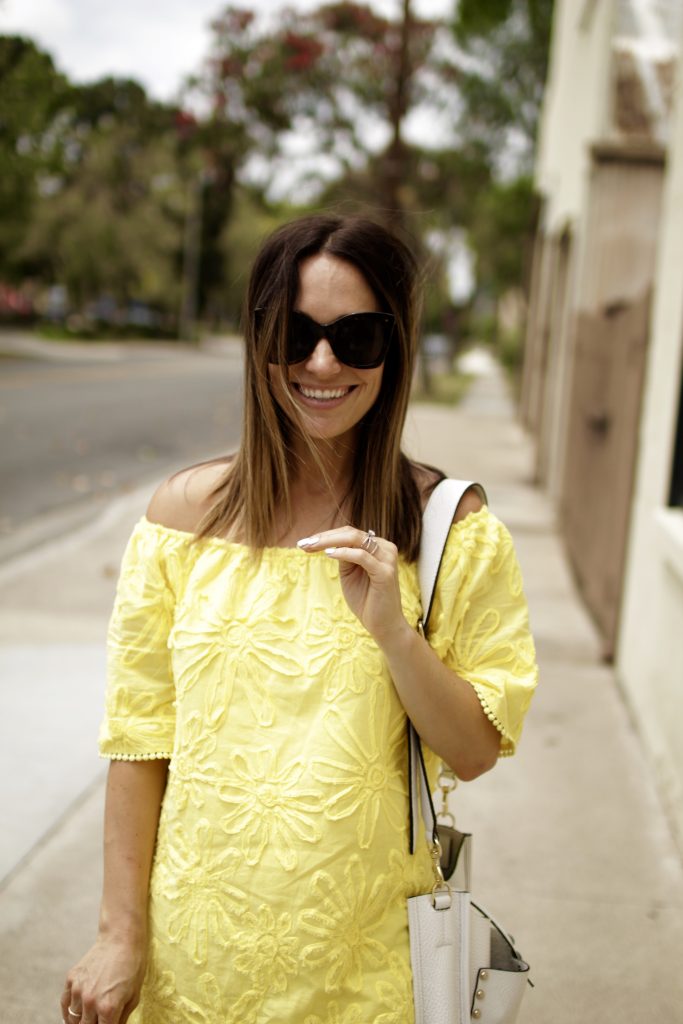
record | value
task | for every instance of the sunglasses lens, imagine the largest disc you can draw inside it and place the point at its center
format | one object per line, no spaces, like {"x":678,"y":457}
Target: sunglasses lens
{"x":361,"y":339}
{"x":303,"y":337}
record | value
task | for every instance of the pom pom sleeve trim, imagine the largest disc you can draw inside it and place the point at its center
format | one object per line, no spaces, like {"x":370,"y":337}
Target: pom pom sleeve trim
{"x":507,"y":746}
{"x":116,"y":756}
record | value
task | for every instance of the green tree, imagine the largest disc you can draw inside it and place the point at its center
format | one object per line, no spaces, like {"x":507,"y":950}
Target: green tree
{"x":501,"y":232}
{"x":32,"y":93}
{"x":114,"y":226}
{"x":343,"y":75}
{"x":111,"y":220}
{"x":328,"y":74}
{"x":507,"y":45}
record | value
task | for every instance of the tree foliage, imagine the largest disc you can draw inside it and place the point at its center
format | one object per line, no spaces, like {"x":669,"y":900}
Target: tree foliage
{"x":112,"y":193}
{"x":337,"y":75}
{"x":92,"y":187}
{"x":507,"y":43}
{"x":31,"y":94}
{"x":113,"y":224}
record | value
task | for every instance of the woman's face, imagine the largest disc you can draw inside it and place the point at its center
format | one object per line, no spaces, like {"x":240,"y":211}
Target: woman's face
{"x":330,"y":396}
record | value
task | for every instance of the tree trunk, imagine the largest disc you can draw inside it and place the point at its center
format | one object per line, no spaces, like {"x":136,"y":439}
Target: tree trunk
{"x":395,"y":157}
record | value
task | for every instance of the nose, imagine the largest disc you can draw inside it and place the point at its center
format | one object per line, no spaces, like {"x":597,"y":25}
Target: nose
{"x":322,"y":360}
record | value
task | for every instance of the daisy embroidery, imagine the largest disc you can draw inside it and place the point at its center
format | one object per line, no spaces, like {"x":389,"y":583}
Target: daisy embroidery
{"x":197,"y":882}
{"x":365,"y":774}
{"x":351,"y":1015}
{"x":265,"y":950}
{"x":244,"y":650}
{"x":342,"y":652}
{"x":342,"y":925}
{"x":268,"y":806}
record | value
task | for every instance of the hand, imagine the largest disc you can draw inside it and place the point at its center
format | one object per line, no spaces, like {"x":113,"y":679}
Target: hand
{"x":104,"y":987}
{"x":368,"y":572}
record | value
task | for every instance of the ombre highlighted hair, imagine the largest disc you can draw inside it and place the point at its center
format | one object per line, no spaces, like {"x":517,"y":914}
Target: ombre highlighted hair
{"x":383,"y":493}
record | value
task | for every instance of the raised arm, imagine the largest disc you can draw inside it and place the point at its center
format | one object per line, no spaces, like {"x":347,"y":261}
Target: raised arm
{"x":466,"y":690}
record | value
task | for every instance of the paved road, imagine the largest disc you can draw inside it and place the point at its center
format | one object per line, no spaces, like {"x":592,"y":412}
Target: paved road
{"x":81,"y":426}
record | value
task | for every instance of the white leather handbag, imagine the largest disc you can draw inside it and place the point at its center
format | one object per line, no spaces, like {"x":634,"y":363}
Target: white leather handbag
{"x":465,"y":966}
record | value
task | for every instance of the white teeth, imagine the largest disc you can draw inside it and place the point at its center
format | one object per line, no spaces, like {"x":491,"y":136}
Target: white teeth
{"x":321,"y":394}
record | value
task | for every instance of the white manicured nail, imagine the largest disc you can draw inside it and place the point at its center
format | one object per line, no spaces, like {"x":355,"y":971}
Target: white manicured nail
{"x":307,"y":541}
{"x":330,"y":551}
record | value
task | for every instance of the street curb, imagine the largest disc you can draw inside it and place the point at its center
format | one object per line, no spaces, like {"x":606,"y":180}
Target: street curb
{"x":61,"y":532}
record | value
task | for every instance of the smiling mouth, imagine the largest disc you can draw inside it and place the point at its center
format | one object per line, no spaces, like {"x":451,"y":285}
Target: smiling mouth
{"x":323,"y":394}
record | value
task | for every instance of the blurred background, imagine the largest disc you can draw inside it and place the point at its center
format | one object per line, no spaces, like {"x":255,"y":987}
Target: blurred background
{"x":532,"y":152}
{"x":138,"y":180}
{"x":146,"y":151}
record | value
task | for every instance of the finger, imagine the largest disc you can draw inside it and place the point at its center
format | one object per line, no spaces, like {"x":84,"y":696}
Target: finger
{"x":64,"y":1003}
{"x":89,"y":1015}
{"x":107,"y":1013}
{"x":73,"y":1013}
{"x":342,"y":536}
{"x":127,"y":1010}
{"x":372,"y":565}
{"x":370,"y":544}
{"x":72,"y":1010}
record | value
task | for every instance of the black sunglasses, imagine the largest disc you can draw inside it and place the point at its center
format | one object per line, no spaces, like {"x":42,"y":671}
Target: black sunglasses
{"x":360,"y":340}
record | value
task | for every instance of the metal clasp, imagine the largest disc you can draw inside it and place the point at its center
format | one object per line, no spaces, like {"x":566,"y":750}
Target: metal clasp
{"x":447,"y":782}
{"x":441,"y":890}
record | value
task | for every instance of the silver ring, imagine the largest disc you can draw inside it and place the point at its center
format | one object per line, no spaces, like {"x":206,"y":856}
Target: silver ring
{"x":72,"y":1013}
{"x":369,"y":543}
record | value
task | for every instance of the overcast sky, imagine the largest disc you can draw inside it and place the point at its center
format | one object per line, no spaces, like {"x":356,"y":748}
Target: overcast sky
{"x":157,"y":42}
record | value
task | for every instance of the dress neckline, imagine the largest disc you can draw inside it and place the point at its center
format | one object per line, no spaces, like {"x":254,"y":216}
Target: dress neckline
{"x":275,"y":550}
{"x":221,"y":541}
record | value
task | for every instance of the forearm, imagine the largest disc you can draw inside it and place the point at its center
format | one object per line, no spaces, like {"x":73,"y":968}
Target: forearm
{"x":134,"y":793}
{"x":444,"y":708}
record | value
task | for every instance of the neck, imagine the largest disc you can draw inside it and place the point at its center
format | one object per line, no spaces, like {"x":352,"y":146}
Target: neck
{"x":326,"y":470}
{"x":318,"y":490}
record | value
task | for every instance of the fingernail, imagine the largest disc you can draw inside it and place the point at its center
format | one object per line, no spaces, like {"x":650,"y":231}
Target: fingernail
{"x":306,"y":541}
{"x":330,"y":551}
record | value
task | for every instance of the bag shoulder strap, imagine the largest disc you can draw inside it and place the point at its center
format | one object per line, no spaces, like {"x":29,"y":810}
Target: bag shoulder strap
{"x":437,"y":520}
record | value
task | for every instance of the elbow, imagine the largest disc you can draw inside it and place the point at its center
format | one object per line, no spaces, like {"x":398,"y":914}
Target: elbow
{"x":471,"y":770}
{"x":470,"y":766}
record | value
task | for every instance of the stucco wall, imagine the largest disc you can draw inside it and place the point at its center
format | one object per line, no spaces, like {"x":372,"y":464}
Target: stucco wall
{"x":576,"y":106}
{"x":650,"y":652}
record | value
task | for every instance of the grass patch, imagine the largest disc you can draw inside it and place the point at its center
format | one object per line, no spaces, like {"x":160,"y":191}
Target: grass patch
{"x":445,"y":388}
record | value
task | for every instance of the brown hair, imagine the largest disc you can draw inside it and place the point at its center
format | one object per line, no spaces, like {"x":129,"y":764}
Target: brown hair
{"x":384,"y":493}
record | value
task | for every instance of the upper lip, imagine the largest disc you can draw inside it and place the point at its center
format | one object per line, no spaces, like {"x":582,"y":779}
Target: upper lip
{"x":322,"y":387}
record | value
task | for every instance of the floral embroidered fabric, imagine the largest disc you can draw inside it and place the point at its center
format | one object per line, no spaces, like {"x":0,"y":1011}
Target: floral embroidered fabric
{"x":282,"y":867}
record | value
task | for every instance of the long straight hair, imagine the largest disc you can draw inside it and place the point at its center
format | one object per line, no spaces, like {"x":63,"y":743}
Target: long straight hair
{"x":383,"y":493}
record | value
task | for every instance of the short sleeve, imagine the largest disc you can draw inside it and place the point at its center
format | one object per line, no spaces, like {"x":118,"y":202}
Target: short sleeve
{"x":139,"y":719}
{"x":479,"y":624}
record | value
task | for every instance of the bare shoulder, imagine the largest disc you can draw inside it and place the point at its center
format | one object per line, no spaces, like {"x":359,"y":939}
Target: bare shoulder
{"x":184,"y":499}
{"x":426,"y":478}
{"x":470,"y":502}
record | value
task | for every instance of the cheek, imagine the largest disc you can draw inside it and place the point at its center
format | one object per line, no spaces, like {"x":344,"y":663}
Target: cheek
{"x":374,"y":384}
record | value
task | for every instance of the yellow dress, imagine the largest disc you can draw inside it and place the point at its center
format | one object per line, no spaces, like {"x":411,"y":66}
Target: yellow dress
{"x":282,"y":868}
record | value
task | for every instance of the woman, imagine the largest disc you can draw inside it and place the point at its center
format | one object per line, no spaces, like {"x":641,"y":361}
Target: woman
{"x":263,"y":658}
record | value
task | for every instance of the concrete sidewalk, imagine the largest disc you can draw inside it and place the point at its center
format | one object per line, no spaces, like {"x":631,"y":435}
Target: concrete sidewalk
{"x":572,"y":850}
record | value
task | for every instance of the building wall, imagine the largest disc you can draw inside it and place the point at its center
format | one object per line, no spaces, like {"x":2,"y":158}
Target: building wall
{"x":650,"y":651}
{"x":609,"y":255}
{"x":576,"y":107}
{"x":576,"y":114}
